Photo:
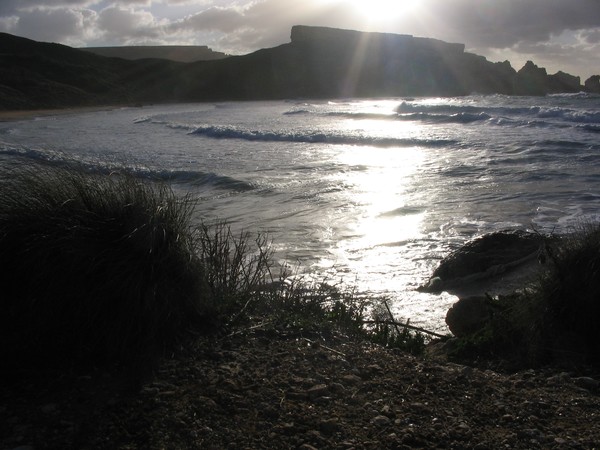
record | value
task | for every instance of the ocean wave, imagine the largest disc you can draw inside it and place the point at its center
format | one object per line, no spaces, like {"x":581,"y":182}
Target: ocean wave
{"x":575,"y":95}
{"x":457,"y":117}
{"x":570,"y":115}
{"x":560,"y":113}
{"x":461,"y":117}
{"x":230,"y":132}
{"x":589,"y":128}
{"x":446,"y":109}
{"x":403,"y":211}
{"x":188,"y":177}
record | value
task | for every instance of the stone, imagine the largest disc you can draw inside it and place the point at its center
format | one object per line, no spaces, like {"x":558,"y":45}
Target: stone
{"x":587,"y":383}
{"x":319,"y":390}
{"x":468,"y":315}
{"x":351,"y":379}
{"x":479,"y":263}
{"x":329,"y":426}
{"x":381,"y":421}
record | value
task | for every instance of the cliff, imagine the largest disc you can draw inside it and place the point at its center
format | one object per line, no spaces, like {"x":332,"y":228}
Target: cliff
{"x":318,"y":62}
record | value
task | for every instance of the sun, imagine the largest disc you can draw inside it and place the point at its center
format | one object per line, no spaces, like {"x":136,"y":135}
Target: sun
{"x":380,"y":10}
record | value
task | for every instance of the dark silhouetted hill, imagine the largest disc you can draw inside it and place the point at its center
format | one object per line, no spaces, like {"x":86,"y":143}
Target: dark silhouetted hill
{"x":317,"y":63}
{"x":179,"y":53}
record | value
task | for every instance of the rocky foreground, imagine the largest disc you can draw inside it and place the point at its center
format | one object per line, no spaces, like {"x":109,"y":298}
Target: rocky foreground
{"x":272,"y":389}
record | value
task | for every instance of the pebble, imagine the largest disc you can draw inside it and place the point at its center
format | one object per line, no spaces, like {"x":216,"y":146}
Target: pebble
{"x":329,"y":426}
{"x":337,"y":388}
{"x":207,"y":402}
{"x":381,"y":421}
{"x":587,"y":383}
{"x":49,"y":408}
{"x":306,"y":447}
{"x":352,"y":379}
{"x":319,"y":390}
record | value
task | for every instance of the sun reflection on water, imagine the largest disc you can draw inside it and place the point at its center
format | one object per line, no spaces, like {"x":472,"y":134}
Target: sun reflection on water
{"x":386,"y":209}
{"x":380,"y":232}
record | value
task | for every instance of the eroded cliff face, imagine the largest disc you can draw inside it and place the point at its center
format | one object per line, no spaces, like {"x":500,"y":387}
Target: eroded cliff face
{"x":363,"y":64}
{"x":351,"y":63}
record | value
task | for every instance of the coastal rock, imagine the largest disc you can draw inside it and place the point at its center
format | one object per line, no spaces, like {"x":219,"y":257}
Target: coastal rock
{"x":477,"y":265}
{"x":468,"y":315}
{"x":592,"y":84}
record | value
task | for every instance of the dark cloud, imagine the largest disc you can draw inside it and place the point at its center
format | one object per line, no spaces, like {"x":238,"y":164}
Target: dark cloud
{"x":501,"y":24}
{"x":9,"y":7}
{"x":591,"y":36}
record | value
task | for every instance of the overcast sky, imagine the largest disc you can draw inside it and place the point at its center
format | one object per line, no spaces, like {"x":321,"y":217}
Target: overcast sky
{"x":556,"y":34}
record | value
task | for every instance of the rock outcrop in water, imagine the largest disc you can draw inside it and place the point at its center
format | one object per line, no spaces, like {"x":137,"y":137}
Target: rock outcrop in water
{"x":493,"y":263}
{"x":318,"y":63}
{"x":592,"y":84}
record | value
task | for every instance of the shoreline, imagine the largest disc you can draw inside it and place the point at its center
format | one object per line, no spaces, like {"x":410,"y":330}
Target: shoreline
{"x":15,"y":115}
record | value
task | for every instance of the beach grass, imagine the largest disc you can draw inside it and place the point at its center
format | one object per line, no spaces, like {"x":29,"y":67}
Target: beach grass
{"x":96,"y":269}
{"x":110,"y":270}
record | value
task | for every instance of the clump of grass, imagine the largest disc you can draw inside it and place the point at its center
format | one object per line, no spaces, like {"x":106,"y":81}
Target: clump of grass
{"x":96,"y":269}
{"x":568,"y":297}
{"x":302,"y":306}
{"x":386,"y":331}
{"x":237,"y":266}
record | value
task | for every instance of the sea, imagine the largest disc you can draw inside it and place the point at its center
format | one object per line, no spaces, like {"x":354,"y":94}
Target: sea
{"x":368,"y":194}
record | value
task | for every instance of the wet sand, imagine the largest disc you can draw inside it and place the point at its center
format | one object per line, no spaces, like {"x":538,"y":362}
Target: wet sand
{"x":15,"y":115}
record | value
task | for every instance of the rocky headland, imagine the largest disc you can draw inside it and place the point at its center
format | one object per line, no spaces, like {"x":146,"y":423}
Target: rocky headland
{"x":318,"y":62}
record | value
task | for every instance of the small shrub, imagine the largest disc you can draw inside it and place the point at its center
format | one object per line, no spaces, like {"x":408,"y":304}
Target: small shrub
{"x":553,"y":321}
{"x":236,"y":266}
{"x":95,"y":269}
{"x":568,"y":297}
{"x":386,"y":331}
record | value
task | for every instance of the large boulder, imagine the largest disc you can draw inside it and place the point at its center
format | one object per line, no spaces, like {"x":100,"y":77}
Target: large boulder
{"x":488,"y":262}
{"x":468,"y":315}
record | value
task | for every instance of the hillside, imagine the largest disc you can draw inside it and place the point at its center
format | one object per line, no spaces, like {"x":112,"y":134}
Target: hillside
{"x":179,"y":53}
{"x":317,"y":63}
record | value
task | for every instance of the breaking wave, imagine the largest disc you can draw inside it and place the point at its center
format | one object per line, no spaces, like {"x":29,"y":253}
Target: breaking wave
{"x":174,"y":176}
{"x":231,"y":132}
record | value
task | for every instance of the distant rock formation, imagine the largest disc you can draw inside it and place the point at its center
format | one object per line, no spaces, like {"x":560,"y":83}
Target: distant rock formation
{"x":592,"y":84}
{"x":319,"y":62}
{"x":371,"y":64}
{"x":534,"y":80}
{"x":179,"y":53}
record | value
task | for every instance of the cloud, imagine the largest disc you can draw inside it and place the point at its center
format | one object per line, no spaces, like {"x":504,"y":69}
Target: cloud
{"x":121,"y":23}
{"x":54,"y":25}
{"x":10,"y":7}
{"x":225,"y":20}
{"x":591,"y":36}
{"x":515,"y":28}
{"x":501,"y":24}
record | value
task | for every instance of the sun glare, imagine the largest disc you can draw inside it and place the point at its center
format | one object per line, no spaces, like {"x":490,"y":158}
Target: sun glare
{"x":378,"y":10}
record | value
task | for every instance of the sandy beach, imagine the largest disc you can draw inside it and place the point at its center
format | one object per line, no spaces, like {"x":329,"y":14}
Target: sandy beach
{"x":14,"y":115}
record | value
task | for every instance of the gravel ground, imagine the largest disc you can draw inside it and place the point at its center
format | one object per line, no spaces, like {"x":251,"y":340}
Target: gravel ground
{"x":267,"y":389}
